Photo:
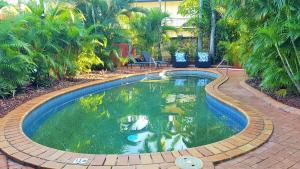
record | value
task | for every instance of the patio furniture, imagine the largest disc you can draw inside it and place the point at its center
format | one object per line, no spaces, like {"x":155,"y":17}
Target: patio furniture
{"x":202,"y":60}
{"x":147,"y":58}
{"x":180,"y":60}
{"x":134,"y":62}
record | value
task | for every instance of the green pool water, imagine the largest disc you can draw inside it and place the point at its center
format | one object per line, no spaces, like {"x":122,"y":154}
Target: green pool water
{"x":148,"y":116}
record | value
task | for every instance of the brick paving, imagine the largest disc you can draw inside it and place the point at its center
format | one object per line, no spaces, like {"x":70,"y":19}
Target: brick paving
{"x":282,"y":151}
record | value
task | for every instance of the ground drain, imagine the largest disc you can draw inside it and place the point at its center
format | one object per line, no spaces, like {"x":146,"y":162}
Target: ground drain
{"x":80,"y":161}
{"x":188,"y":162}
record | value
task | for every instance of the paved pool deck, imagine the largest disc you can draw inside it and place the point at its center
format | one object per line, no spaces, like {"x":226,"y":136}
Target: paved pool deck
{"x":282,"y":150}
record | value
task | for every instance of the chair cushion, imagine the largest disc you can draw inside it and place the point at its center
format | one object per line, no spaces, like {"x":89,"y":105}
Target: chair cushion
{"x":202,"y":57}
{"x":180,"y":57}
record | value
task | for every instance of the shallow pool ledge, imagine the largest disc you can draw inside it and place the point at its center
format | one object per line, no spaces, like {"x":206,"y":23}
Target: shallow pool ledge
{"x":18,"y":146}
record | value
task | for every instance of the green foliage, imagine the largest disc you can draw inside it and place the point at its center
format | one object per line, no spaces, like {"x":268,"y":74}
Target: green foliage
{"x":14,"y":72}
{"x":147,"y":32}
{"x":190,"y":8}
{"x":225,"y":29}
{"x":172,"y":47}
{"x":15,"y":65}
{"x":53,"y":40}
{"x":281,"y":93}
{"x":101,"y":18}
{"x":268,"y":42}
{"x":189,"y":47}
{"x":41,"y":45}
{"x":124,"y":60}
{"x":228,"y":34}
{"x":2,"y":3}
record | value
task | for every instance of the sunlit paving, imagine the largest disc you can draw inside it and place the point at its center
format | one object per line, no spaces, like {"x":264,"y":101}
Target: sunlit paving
{"x":149,"y":84}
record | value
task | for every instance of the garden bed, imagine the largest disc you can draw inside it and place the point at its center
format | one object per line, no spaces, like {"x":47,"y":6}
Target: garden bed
{"x":30,"y":92}
{"x":290,"y":99}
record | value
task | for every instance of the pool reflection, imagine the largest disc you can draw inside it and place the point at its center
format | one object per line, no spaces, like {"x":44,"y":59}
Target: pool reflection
{"x":149,"y":116}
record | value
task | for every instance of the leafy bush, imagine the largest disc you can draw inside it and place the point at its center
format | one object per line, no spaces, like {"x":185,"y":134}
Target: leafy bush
{"x":147,"y":32}
{"x":172,"y":47}
{"x":14,"y":72}
{"x":269,"y":41}
{"x":15,"y":65}
{"x":41,"y":45}
{"x":189,"y":47}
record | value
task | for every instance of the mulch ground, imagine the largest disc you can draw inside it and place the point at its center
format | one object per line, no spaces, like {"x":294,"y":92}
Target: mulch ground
{"x":29,"y":92}
{"x":290,"y":99}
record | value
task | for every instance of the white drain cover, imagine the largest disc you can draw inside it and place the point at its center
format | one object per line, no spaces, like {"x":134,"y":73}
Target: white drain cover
{"x":80,"y":161}
{"x":188,"y":162}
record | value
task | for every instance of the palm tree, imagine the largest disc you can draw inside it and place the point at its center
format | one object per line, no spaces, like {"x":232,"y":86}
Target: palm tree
{"x":2,"y":4}
{"x":44,"y":43}
{"x":200,"y":33}
{"x":102,"y":17}
{"x":147,"y":31}
{"x":213,"y":30}
{"x":269,"y":41}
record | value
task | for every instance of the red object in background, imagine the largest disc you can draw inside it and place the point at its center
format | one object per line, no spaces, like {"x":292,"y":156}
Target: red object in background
{"x":123,"y":49}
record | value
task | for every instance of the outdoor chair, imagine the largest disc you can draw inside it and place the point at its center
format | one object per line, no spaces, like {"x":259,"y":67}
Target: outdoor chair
{"x":134,"y":62}
{"x":181,"y":60}
{"x":148,"y":59}
{"x":202,"y":60}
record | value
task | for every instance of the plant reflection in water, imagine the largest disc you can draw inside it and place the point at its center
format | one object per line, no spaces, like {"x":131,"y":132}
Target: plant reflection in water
{"x":153,"y":115}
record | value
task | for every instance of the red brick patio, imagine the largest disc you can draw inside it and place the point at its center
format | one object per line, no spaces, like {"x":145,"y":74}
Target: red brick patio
{"x":282,"y":151}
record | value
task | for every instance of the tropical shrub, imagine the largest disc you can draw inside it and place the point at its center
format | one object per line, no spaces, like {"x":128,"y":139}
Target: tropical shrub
{"x":172,"y":46}
{"x":209,"y":31}
{"x":269,"y":41}
{"x":15,"y":65}
{"x":189,"y":46}
{"x":41,"y":45}
{"x":147,"y":32}
{"x":101,"y":16}
{"x":2,"y":4}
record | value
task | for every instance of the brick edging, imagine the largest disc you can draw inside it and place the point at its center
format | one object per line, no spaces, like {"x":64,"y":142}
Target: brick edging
{"x":15,"y":144}
{"x":268,"y":99}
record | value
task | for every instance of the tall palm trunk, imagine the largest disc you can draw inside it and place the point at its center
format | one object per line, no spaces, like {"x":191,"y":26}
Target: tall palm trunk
{"x":159,"y":57}
{"x":212,"y":34}
{"x":159,"y":1}
{"x":200,"y":34}
{"x":243,"y":3}
{"x":288,"y":68}
{"x":94,"y":17}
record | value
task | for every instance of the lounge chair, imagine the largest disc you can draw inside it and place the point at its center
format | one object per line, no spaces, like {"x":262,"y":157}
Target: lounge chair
{"x":180,"y":60}
{"x":134,"y":62}
{"x":202,"y":60}
{"x":148,"y":59}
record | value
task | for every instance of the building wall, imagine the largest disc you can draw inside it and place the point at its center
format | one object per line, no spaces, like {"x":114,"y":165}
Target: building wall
{"x":175,"y":19}
{"x":171,"y":7}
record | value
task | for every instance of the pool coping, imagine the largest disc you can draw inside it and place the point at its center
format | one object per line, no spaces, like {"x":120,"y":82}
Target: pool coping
{"x":15,"y":144}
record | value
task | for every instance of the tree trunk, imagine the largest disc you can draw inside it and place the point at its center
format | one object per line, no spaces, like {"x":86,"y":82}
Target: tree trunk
{"x":130,"y":50}
{"x":159,"y":57}
{"x":94,"y":18}
{"x":159,"y":1}
{"x":288,"y":70}
{"x":200,"y":34}
{"x":243,"y":3}
{"x":212,"y":34}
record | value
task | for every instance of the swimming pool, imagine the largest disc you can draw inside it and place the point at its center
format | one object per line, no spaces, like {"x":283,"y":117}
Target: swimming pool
{"x":138,"y":114}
